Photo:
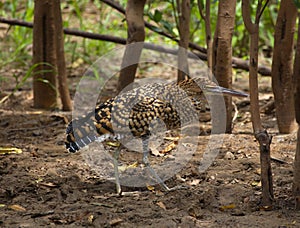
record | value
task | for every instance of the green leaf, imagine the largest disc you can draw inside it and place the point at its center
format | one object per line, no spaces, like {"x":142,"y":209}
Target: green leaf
{"x":297,"y":3}
{"x":150,"y":15}
{"x":156,"y":29}
{"x":157,"y":16}
{"x":168,"y":26}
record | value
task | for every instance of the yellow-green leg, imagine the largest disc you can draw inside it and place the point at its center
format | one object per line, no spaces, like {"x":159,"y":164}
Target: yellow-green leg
{"x":116,"y":169}
{"x":147,"y":164}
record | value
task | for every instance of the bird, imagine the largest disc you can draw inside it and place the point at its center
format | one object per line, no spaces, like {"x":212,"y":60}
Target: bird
{"x":135,"y":112}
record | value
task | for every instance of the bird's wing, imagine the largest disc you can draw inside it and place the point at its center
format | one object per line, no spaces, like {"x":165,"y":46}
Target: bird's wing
{"x":147,"y":111}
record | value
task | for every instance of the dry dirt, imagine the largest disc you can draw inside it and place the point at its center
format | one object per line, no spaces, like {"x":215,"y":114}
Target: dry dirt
{"x":44,"y":185}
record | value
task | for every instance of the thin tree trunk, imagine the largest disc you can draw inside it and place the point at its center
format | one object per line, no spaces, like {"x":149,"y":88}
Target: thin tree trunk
{"x":282,"y":69}
{"x":61,"y":63}
{"x":136,"y":33}
{"x":183,"y":9}
{"x":209,"y":40}
{"x":222,"y":57}
{"x":45,"y":83}
{"x":260,"y":134}
{"x":296,"y":182}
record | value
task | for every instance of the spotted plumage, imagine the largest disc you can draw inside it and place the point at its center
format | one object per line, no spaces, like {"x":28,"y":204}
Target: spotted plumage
{"x":137,"y":109}
{"x":137,"y":112}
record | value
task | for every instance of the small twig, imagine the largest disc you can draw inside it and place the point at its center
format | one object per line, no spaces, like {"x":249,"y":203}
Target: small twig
{"x":40,"y":214}
{"x":279,"y":160}
{"x":263,"y":9}
{"x":5,"y":98}
{"x":236,"y":112}
{"x":200,"y":7}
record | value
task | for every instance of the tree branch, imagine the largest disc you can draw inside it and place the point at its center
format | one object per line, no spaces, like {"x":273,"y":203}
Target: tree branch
{"x":237,"y":63}
{"x":263,"y":9}
{"x":246,"y":14}
{"x":153,"y":28}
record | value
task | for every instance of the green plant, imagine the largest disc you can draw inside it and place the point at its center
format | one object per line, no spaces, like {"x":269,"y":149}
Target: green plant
{"x":20,"y":81}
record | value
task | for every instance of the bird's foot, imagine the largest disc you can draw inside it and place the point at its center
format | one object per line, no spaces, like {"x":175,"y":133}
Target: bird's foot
{"x":121,"y":193}
{"x":134,"y":193}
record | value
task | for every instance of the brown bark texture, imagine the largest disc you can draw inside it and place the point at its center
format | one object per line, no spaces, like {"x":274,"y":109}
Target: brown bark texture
{"x":60,"y":57}
{"x":135,"y":33}
{"x":183,"y":9}
{"x":296,"y":181}
{"x":282,"y":68}
{"x":260,"y":134}
{"x":44,"y":84}
{"x":209,"y":40}
{"x":296,"y":80}
{"x":222,"y":57}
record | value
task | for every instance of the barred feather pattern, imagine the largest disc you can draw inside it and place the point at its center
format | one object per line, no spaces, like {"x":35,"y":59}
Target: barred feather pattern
{"x":134,"y":111}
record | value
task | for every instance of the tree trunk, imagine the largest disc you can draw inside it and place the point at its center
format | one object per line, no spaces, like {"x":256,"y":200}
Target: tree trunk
{"x":183,"y":9}
{"x":282,"y":69}
{"x":61,"y":63}
{"x":236,"y":62}
{"x":260,"y":134}
{"x":209,"y":40}
{"x":44,"y":56}
{"x":136,"y":33}
{"x":222,"y":57}
{"x":296,"y":182}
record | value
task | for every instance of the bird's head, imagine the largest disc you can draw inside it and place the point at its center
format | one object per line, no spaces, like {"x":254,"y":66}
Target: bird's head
{"x":200,"y":86}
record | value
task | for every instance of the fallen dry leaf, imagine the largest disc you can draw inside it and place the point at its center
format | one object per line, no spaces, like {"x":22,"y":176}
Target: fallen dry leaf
{"x":48,"y":184}
{"x":226,"y":207}
{"x":266,"y":208}
{"x":125,"y":167}
{"x":115,"y":222}
{"x":170,"y":147}
{"x":150,"y":188}
{"x":256,"y":183}
{"x":16,"y":207}
{"x":10,"y":150}
{"x":161,"y":205}
{"x":113,"y":144}
{"x":90,"y":219}
{"x":172,"y":138}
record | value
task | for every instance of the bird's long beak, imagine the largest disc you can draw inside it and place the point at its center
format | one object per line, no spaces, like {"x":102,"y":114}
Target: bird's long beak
{"x":221,"y":90}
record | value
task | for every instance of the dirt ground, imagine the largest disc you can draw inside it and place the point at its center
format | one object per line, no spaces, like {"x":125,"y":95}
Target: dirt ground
{"x":44,"y":185}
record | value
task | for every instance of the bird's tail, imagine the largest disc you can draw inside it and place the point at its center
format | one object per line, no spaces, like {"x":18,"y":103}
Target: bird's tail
{"x":79,"y":133}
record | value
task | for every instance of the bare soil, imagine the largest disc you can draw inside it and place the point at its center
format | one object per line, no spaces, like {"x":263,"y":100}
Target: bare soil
{"x":44,"y":185}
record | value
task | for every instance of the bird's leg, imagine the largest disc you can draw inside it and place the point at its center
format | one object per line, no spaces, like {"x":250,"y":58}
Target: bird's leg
{"x":145,"y":142}
{"x":116,"y":169}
